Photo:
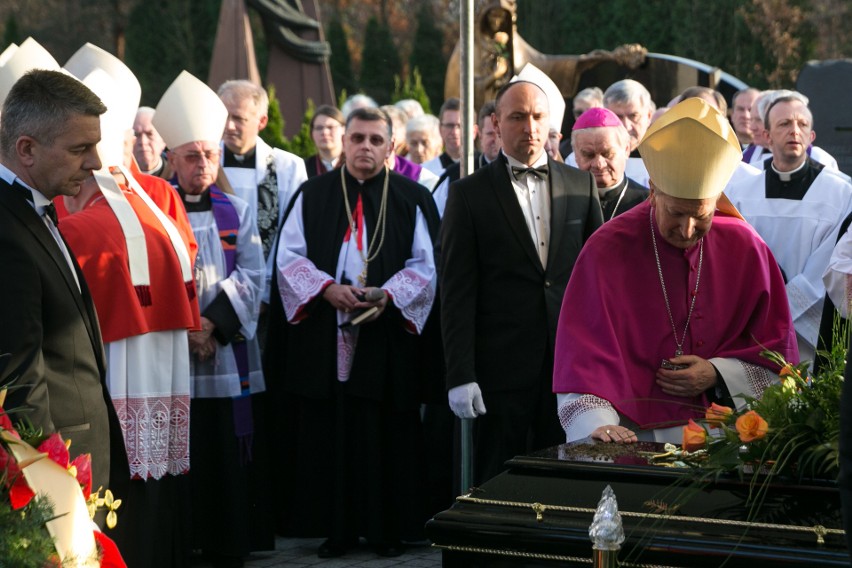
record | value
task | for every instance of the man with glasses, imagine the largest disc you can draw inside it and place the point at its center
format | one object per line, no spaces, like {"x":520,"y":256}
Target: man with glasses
{"x":327,"y":134}
{"x":225,"y":357}
{"x":356,"y":273}
{"x":449,"y":119}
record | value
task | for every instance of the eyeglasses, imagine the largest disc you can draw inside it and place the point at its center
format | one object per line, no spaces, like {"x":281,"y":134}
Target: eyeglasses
{"x":375,"y":140}
{"x":195,"y":157}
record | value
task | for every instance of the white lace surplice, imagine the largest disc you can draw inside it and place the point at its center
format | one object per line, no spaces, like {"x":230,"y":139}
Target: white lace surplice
{"x":581,"y":414}
{"x":412,"y":289}
{"x":218,"y":377}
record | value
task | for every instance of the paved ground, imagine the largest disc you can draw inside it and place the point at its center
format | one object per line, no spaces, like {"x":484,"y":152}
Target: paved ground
{"x":300,"y":552}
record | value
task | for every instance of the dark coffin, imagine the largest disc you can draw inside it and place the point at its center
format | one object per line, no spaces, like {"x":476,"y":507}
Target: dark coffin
{"x":538,"y":514}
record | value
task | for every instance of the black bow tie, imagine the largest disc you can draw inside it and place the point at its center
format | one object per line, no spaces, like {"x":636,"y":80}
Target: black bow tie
{"x":539,"y":172}
{"x":50,"y":211}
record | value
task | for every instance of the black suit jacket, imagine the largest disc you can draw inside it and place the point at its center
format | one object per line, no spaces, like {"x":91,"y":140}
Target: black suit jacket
{"x":499,"y":306}
{"x":51,"y":332}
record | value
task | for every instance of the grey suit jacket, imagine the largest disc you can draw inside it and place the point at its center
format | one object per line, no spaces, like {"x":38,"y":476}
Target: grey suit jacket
{"x":50,"y":330}
{"x":499,"y":305}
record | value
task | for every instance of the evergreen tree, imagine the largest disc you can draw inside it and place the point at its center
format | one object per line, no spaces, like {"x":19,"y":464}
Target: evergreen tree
{"x":11,"y":33}
{"x":427,"y":54}
{"x":302,"y":144}
{"x":185,"y":34}
{"x":341,"y":61}
{"x":379,"y":62}
{"x":411,"y":89}
{"x":273,"y":134}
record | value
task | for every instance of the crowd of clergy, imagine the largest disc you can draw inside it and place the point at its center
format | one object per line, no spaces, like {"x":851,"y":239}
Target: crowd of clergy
{"x":291,"y":342}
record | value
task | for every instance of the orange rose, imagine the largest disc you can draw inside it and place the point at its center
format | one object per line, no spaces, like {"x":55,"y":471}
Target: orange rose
{"x":787,"y":371}
{"x":694,"y":437}
{"x":751,"y":426}
{"x":717,"y":414}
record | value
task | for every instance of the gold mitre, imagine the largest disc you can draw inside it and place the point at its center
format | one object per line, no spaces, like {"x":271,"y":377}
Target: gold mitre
{"x":190,"y":111}
{"x":29,"y":55}
{"x":691,"y":151}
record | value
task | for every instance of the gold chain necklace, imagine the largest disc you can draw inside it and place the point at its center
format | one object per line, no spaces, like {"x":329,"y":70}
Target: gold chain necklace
{"x":678,"y":343}
{"x":378,"y":238}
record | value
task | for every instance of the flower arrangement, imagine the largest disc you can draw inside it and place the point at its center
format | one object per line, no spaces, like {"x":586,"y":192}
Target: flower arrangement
{"x":33,"y":533}
{"x":792,"y":430}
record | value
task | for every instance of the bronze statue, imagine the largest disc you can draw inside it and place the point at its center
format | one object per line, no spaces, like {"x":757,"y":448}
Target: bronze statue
{"x":500,"y":53}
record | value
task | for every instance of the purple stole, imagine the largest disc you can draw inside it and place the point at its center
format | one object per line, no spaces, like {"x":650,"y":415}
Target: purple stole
{"x":749,"y":152}
{"x":228,"y":223}
{"x":407,"y":168}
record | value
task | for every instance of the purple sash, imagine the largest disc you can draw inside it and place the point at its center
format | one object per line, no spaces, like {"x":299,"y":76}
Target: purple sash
{"x":748,"y":153}
{"x":407,"y":168}
{"x":228,"y":224}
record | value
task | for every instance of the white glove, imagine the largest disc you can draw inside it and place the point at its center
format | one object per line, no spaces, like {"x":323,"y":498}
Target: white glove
{"x":466,"y":400}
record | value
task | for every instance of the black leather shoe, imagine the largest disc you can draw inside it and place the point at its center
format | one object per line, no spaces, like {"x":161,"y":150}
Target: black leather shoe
{"x":331,"y":549}
{"x":389,"y":550}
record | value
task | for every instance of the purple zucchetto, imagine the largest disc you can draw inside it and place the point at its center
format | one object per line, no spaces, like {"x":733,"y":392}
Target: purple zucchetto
{"x":596,"y":117}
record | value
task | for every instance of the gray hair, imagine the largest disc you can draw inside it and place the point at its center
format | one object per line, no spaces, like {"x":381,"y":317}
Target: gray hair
{"x":428,"y":123}
{"x":628,"y":91}
{"x":621,"y":135}
{"x":40,"y":105}
{"x":145,"y":111}
{"x":410,"y":107}
{"x":357,"y":101}
{"x":371,"y":114}
{"x":240,"y":89}
{"x":590,"y":94}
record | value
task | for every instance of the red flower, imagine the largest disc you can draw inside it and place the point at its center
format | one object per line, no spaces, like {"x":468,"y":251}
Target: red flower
{"x":6,"y":423}
{"x":716,"y":415}
{"x":751,"y":426}
{"x":55,"y":449}
{"x":83,"y":465}
{"x":110,"y":556}
{"x":694,"y":437}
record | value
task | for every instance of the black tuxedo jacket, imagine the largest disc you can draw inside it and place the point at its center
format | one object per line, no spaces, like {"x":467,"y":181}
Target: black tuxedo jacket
{"x":51,"y":332}
{"x":499,"y":306}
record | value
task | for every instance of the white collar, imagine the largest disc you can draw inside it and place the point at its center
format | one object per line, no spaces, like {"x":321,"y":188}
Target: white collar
{"x":540,"y":161}
{"x":787,"y":176}
{"x":39,"y":200}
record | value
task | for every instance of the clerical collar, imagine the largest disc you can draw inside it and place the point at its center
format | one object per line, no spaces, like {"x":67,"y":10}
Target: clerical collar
{"x":787,"y":176}
{"x":247,"y":160}
{"x":195,"y":203}
{"x":793,"y":185}
{"x":607,"y":192}
{"x":369,"y":180}
{"x":156,"y":169}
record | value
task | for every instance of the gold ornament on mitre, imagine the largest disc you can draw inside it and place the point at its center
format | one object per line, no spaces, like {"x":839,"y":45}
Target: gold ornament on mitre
{"x":190,"y":111}
{"x":29,"y":55}
{"x":691,"y":151}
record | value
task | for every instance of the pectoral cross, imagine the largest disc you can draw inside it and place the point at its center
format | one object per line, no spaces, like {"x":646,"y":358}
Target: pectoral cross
{"x":362,"y":278}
